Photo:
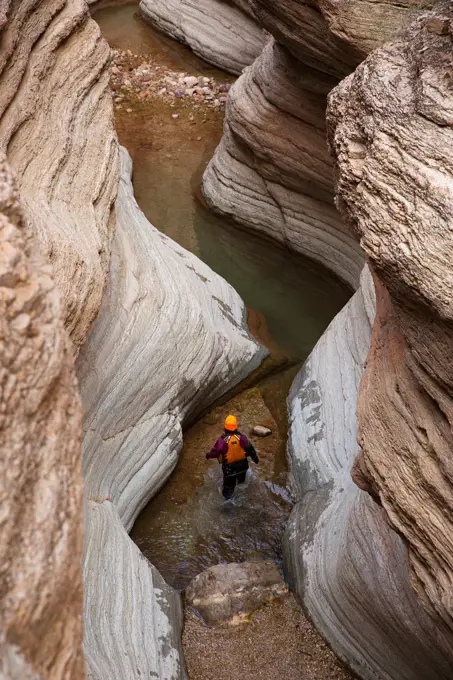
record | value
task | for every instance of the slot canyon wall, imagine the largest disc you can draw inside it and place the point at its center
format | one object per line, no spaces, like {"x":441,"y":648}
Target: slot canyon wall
{"x":58,"y":135}
{"x":57,"y":125}
{"x":391,"y":129}
{"x":40,"y":466}
{"x":223,"y":32}
{"x":170,"y":338}
{"x":272,"y":173}
{"x":378,"y":578}
{"x":59,"y":178}
{"x":58,"y":186}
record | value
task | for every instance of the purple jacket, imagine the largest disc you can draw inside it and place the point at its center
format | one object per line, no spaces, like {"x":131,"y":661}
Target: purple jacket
{"x":221,"y":446}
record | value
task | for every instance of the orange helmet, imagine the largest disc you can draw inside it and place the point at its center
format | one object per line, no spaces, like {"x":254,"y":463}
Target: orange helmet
{"x":231,"y":423}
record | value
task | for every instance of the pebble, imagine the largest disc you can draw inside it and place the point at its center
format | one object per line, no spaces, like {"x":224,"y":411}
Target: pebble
{"x":191,"y":81}
{"x":175,"y":115}
{"x":261,"y":431}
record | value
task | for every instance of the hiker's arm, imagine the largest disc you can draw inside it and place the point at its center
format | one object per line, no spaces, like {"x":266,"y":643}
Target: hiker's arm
{"x":249,"y":449}
{"x":219,"y":447}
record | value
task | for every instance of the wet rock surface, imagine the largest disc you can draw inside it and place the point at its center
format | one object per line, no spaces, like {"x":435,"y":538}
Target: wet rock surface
{"x":228,"y":593}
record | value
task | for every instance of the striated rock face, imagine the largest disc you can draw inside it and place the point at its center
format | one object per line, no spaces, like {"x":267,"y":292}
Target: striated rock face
{"x":304,"y":30}
{"x":391,"y":132}
{"x":228,"y":592}
{"x":272,"y":171}
{"x":347,"y":566}
{"x":169,"y":339}
{"x":57,"y":130}
{"x":134,"y":618}
{"x":216,"y":30}
{"x":40,"y":475}
{"x":335,"y":35}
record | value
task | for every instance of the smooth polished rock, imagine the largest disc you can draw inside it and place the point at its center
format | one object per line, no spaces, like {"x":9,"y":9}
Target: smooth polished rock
{"x":391,"y":131}
{"x":40,"y":463}
{"x":216,"y":30}
{"x":57,"y":130}
{"x":272,"y":172}
{"x":136,"y":619}
{"x":346,"y":564}
{"x":170,"y":338}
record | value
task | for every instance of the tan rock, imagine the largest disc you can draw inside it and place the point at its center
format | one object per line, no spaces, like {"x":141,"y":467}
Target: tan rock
{"x":398,"y":198}
{"x":40,"y":465}
{"x":57,"y":130}
{"x":335,"y":35}
{"x":226,"y":593}
{"x":272,"y":171}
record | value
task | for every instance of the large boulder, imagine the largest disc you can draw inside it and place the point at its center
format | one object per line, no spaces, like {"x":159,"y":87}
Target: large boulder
{"x":391,"y":131}
{"x":58,"y":133}
{"x":40,"y":465}
{"x":170,"y":338}
{"x":226,"y":593}
{"x":219,"y":31}
{"x":347,"y":566}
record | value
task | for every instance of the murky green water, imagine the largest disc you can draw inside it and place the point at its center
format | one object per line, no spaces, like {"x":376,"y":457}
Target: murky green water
{"x":186,"y":527}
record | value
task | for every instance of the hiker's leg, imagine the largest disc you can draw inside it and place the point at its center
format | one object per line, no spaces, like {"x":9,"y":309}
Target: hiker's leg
{"x":241,"y":477}
{"x":229,"y":482}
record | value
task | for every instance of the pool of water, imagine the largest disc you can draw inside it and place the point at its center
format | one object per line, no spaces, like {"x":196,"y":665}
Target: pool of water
{"x":187,"y":527}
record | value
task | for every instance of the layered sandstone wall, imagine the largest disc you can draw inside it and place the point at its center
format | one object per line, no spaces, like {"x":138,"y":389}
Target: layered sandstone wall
{"x":391,"y":132}
{"x":343,"y":560}
{"x":40,"y":465}
{"x":56,"y":127}
{"x":272,"y":171}
{"x":335,"y":34}
{"x":220,"y":31}
{"x":170,"y":338}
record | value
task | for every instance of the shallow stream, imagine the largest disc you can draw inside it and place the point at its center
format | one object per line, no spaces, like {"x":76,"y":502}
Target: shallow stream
{"x":186,"y":527}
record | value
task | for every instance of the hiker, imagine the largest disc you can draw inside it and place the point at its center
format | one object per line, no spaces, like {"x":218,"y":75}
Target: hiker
{"x":232,"y":450}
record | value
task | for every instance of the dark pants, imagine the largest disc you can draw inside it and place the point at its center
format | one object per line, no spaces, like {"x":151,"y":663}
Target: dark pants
{"x":231,"y":477}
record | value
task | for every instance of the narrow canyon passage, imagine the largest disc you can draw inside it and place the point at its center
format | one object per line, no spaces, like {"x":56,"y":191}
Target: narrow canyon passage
{"x":186,"y":527}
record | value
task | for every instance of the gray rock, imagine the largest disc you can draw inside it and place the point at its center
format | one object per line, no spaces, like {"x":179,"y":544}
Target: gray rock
{"x":216,"y":30}
{"x":261,"y":431}
{"x":391,"y":129}
{"x":169,"y":339}
{"x":227,"y":592}
{"x":348,"y":568}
